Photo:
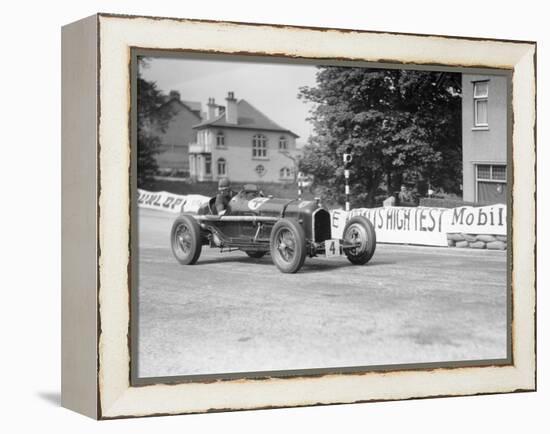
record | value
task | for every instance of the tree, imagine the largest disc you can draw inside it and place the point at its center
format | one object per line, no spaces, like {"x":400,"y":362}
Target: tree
{"x":150,"y":120}
{"x":403,"y":126}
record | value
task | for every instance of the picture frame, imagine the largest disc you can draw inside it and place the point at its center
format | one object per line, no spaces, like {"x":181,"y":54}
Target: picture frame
{"x":97,"y":206}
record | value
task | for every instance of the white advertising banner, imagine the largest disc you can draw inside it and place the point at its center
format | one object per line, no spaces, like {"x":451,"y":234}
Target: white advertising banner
{"x":398,"y":224}
{"x":476,"y":220}
{"x":423,"y":225}
{"x":175,"y":203}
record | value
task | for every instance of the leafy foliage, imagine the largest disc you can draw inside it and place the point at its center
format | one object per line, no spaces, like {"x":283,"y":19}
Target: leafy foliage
{"x":403,"y":126}
{"x":150,"y":120}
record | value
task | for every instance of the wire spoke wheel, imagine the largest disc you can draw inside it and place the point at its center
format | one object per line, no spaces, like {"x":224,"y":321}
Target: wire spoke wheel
{"x":356,"y":234}
{"x":359,"y":231}
{"x":288,"y":245}
{"x":185,"y":240}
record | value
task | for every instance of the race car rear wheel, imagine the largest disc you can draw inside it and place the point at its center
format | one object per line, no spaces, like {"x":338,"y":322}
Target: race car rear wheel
{"x":185,"y":240}
{"x":360,"y":230}
{"x":255,"y":254}
{"x":288,"y":245}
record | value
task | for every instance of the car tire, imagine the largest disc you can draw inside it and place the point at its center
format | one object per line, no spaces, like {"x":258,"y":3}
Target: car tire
{"x":361,"y":228}
{"x":255,"y":254}
{"x":288,"y":245}
{"x":185,"y":240}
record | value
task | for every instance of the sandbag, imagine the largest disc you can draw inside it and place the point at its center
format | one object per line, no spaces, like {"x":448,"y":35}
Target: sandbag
{"x":470,"y":237}
{"x":486,"y":238}
{"x":477,"y":245}
{"x":455,"y":237}
{"x":496,"y":245}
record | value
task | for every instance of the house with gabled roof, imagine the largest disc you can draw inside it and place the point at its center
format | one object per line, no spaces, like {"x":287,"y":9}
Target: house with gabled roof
{"x":240,"y":142}
{"x":173,"y":157}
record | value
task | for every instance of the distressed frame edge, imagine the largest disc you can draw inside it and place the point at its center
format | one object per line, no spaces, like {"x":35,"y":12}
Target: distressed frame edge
{"x":530,"y":384}
{"x":79,"y":217}
{"x":306,"y":27}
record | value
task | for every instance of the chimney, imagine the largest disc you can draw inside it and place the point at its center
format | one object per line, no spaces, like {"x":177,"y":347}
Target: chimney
{"x":211,"y":113}
{"x":231,"y":115}
{"x":174,"y":94}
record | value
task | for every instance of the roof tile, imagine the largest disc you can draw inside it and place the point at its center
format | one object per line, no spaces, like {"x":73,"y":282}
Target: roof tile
{"x":249,"y":117}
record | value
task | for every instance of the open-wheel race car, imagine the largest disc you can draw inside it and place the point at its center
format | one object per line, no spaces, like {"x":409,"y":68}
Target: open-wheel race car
{"x":287,"y":229}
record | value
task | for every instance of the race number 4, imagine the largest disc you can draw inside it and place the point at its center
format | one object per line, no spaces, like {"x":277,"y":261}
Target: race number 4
{"x":332,"y":248}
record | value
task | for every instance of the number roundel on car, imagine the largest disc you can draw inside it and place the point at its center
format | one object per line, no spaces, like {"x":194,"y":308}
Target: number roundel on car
{"x":257,"y":202}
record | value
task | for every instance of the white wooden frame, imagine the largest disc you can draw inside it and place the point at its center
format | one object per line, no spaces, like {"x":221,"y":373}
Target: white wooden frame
{"x":96,"y":216}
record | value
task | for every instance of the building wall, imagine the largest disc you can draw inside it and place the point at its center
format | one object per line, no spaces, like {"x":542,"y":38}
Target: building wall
{"x":237,"y":152}
{"x":174,"y":153}
{"x":485,"y":145}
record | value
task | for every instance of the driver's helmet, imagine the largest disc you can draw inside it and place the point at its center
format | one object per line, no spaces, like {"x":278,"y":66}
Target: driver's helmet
{"x":224,"y":184}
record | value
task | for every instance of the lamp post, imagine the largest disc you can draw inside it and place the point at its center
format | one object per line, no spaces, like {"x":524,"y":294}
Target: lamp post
{"x":347,"y":165}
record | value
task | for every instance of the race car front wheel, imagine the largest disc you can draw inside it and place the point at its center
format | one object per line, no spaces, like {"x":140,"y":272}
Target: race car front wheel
{"x":360,"y":231}
{"x":185,"y":240}
{"x":288,"y":245}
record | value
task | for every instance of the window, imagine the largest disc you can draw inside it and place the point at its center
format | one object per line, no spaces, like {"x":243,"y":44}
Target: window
{"x":259,"y":146}
{"x":491,"y":172}
{"x":490,"y":183}
{"x":208,"y":164}
{"x":483,"y":171}
{"x":481,"y":103}
{"x":284,"y":173}
{"x":498,"y":173}
{"x":221,"y":167}
{"x":283,"y":143}
{"x":203,"y":137}
{"x":220,"y":140}
{"x":260,"y":169}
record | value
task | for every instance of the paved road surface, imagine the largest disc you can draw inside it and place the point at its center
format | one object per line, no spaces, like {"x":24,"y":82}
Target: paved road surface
{"x":230,"y":313}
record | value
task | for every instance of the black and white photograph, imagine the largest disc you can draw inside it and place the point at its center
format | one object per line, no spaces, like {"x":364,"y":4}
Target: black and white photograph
{"x":293,"y":217}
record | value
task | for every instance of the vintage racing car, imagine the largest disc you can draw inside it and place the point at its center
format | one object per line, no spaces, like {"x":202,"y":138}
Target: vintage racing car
{"x":287,"y":229}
